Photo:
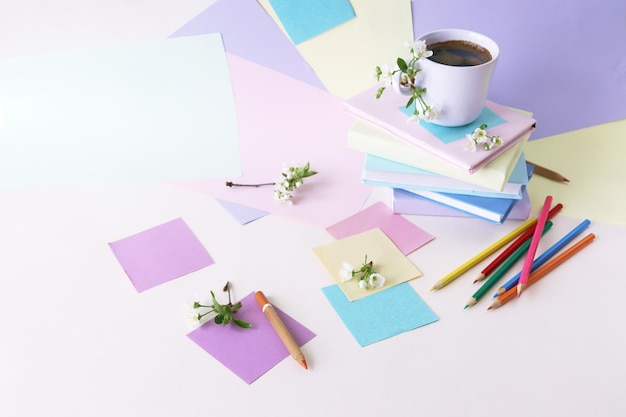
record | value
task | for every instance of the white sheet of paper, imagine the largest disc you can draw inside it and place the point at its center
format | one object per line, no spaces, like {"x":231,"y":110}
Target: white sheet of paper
{"x":151,"y":111}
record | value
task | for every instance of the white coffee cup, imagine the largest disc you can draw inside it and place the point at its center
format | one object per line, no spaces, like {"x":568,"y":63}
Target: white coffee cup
{"x":457,"y":92}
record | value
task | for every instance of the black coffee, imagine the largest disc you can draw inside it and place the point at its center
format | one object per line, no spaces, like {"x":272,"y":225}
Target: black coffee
{"x":459,"y":53}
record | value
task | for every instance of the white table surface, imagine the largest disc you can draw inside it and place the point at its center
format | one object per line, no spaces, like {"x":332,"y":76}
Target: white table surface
{"x":77,"y":340}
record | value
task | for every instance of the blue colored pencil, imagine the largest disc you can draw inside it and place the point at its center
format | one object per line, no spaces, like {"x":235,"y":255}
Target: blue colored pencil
{"x":544,"y":257}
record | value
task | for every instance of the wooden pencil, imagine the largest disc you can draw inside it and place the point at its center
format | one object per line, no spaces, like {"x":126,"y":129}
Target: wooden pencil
{"x":281,"y":329}
{"x":479,"y":257}
{"x":513,"y":247}
{"x":547,"y":173}
{"x":544,"y":270}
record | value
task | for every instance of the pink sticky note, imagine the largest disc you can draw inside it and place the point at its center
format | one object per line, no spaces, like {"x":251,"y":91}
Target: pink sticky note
{"x":160,"y":254}
{"x":249,"y":353}
{"x":404,"y":234}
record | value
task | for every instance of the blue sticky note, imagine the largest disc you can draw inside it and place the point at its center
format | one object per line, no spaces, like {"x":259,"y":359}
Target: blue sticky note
{"x":452,"y":134}
{"x":305,"y":19}
{"x":372,"y":319}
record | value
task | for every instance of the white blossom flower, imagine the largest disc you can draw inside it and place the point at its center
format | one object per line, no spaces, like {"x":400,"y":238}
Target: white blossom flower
{"x":346,"y":273}
{"x":363,"y":284}
{"x":418,"y":49}
{"x":429,"y":114}
{"x":376,"y":280}
{"x":385,"y":75}
{"x":470,"y":143}
{"x":479,"y":135}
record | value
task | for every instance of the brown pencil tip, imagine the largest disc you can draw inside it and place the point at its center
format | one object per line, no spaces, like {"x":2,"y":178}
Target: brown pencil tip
{"x":565,"y":180}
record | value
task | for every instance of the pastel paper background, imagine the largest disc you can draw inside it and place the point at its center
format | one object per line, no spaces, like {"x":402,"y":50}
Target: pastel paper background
{"x":593,"y":160}
{"x":306,"y":19}
{"x":243,"y":214}
{"x":383,"y":315}
{"x":403,"y":233}
{"x":542,"y":69}
{"x":386,"y":257}
{"x":249,"y":353}
{"x":266,"y":145}
{"x":160,"y":254}
{"x":151,"y":111}
{"x":345,"y":56}
{"x":266,"y":45}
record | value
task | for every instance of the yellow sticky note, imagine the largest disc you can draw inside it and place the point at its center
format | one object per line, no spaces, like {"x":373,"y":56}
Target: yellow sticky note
{"x":345,"y":56}
{"x":387,"y":260}
{"x":593,"y":160}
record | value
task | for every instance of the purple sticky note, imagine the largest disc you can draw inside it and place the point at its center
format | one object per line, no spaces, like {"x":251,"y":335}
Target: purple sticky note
{"x":243,"y":214}
{"x":404,"y":234}
{"x":249,"y":353}
{"x":160,"y":254}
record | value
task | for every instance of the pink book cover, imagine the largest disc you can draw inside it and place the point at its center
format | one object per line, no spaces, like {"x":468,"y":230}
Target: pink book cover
{"x":447,"y":143}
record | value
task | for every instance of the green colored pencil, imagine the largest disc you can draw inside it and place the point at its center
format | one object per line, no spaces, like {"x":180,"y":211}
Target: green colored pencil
{"x":487,"y":285}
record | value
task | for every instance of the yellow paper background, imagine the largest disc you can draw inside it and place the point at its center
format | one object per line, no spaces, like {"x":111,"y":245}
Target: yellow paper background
{"x":593,"y":159}
{"x":386,"y":257}
{"x":345,"y":56}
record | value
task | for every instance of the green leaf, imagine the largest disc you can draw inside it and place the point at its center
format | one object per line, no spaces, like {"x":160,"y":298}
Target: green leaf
{"x":411,"y":101}
{"x":242,"y":324}
{"x":218,"y":319}
{"x":402,"y":64}
{"x":380,"y":92}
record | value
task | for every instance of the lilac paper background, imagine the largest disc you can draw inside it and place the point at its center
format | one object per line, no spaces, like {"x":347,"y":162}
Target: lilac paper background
{"x":249,"y":32}
{"x":249,"y":353}
{"x":160,"y":254}
{"x":563,"y":61}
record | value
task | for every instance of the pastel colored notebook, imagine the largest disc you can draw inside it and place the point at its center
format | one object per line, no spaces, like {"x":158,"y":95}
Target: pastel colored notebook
{"x":495,"y":210}
{"x":367,"y":138}
{"x":405,"y":202}
{"x":387,"y":173}
{"x":445,"y":143}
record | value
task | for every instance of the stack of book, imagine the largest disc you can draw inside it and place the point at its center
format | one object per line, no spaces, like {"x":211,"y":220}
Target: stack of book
{"x":428,"y":167}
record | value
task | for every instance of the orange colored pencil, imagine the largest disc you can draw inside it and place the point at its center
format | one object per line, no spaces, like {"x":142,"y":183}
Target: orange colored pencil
{"x":513,"y":247}
{"x":544,"y":270}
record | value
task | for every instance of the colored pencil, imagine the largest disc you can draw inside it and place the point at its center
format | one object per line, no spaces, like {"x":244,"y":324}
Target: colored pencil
{"x":487,"y":285}
{"x":484,"y":254}
{"x":281,"y":330}
{"x":513,"y":247}
{"x":544,"y":270}
{"x":534,"y":243}
{"x":547,"y":173}
{"x":549,"y":253}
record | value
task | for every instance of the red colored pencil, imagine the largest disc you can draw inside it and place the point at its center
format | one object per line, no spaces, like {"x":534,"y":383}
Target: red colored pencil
{"x":513,"y":247}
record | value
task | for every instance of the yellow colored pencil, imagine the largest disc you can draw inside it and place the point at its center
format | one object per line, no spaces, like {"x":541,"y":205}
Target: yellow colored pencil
{"x":484,"y":254}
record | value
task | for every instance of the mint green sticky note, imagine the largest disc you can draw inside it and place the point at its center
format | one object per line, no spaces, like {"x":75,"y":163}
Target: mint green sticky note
{"x":382,"y":315}
{"x":305,"y":19}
